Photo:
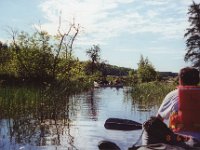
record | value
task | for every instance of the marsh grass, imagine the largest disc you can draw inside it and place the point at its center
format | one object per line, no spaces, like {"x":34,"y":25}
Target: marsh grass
{"x":151,"y":94}
{"x":16,"y":101}
{"x":29,"y":109}
{"x":20,"y":101}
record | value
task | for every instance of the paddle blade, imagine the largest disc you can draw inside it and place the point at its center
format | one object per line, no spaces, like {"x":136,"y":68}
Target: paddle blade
{"x":107,"y":145}
{"x":122,"y":124}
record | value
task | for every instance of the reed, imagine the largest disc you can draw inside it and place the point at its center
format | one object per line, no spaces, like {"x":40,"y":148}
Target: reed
{"x":151,"y":93}
{"x":19,"y":101}
{"x":15,"y":101}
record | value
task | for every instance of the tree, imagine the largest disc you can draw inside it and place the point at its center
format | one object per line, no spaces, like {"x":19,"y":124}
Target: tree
{"x":33,"y":54}
{"x":193,"y":34}
{"x":5,"y":54}
{"x":66,"y":41}
{"x":41,"y":55}
{"x":102,"y":67}
{"x":132,"y":77}
{"x":94,"y":54}
{"x":5,"y":58}
{"x":146,"y":71}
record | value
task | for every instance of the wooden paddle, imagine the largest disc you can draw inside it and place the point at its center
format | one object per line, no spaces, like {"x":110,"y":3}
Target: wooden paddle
{"x":122,"y":124}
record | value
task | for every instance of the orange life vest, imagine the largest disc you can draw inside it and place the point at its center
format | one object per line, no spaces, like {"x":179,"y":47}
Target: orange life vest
{"x":188,"y":116}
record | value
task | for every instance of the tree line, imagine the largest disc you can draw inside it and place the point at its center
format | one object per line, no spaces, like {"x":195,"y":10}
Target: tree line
{"x":43,"y":57}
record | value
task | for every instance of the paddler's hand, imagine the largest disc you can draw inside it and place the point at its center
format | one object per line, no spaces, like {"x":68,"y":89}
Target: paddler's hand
{"x":193,"y":142}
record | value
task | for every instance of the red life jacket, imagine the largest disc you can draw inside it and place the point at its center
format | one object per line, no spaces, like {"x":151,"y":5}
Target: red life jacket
{"x":188,"y":116}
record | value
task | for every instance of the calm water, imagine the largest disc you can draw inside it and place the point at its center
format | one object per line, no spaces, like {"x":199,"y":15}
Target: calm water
{"x":76,"y":123}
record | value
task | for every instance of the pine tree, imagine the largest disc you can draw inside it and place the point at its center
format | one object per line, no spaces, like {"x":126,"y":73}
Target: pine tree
{"x":193,"y":36}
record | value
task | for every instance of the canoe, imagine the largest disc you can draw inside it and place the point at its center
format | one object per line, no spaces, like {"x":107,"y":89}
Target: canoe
{"x":107,"y":145}
{"x":98,"y":85}
{"x":127,"y":125}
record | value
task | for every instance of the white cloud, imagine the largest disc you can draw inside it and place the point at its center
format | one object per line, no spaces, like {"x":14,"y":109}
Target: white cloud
{"x":156,"y":2}
{"x":102,"y":20}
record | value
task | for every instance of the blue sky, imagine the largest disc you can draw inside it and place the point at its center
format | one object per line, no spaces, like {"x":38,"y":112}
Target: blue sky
{"x":124,"y":29}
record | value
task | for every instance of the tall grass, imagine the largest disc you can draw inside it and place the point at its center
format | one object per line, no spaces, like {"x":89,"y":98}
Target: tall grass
{"x":151,"y":93}
{"x":17,"y":101}
{"x":37,"y":113}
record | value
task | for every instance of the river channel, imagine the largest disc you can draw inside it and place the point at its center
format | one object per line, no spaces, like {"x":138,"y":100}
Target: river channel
{"x":80,"y":126}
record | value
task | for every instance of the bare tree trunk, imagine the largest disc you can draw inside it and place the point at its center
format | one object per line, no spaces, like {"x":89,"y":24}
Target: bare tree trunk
{"x":68,"y":46}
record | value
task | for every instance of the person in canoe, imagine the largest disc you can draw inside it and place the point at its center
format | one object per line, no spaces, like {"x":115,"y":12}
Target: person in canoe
{"x":182,"y":108}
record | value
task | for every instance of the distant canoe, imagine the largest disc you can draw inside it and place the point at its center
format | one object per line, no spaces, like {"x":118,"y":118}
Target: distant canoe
{"x":98,"y":85}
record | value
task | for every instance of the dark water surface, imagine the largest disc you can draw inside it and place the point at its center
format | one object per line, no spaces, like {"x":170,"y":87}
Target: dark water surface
{"x":76,"y":123}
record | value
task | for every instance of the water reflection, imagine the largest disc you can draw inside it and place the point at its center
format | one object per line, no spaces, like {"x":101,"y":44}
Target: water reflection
{"x":50,"y":119}
{"x":92,"y":105}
